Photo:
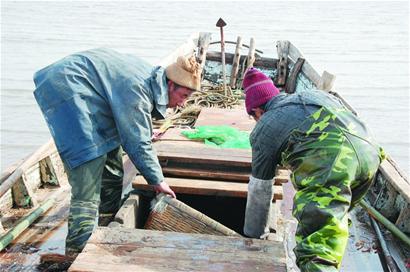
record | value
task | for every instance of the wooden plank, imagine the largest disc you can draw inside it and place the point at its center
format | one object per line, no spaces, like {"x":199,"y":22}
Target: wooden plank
{"x":174,"y":134}
{"x":235,"y":62}
{"x":170,"y":214}
{"x":282,"y":68}
{"x":259,"y":61}
{"x":327,"y":81}
{"x":144,"y":250}
{"x":291,"y":82}
{"x":237,"y":118}
{"x":393,"y":177}
{"x":201,"y":173}
{"x":307,"y":69}
{"x":251,"y":54}
{"x":205,"y":187}
{"x":127,"y":215}
{"x":195,"y":152}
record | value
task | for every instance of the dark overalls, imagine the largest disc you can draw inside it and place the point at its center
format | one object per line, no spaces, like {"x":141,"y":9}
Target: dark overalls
{"x":333,"y":161}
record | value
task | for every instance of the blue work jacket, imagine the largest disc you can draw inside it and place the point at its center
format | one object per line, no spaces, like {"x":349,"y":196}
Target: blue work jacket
{"x":97,"y":100}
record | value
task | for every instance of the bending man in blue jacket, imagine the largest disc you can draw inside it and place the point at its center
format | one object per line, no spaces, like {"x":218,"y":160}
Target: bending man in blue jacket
{"x":96,"y":103}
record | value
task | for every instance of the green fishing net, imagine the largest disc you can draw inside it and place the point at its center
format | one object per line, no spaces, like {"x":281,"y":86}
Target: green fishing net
{"x":220,"y":136}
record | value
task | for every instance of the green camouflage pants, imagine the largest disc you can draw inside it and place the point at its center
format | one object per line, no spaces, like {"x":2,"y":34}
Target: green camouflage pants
{"x":96,"y":187}
{"x":332,"y":170}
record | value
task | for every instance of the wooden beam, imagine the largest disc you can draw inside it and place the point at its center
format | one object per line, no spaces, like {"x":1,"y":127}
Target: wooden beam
{"x":205,"y":187}
{"x":195,"y":152}
{"x":293,"y":77}
{"x":282,"y":68}
{"x":259,"y":62}
{"x":23,"y":195}
{"x":122,"y":249}
{"x":200,"y":173}
{"x":127,"y":214}
{"x":307,"y":69}
{"x":398,"y":181}
{"x":170,"y":214}
{"x":236,"y":118}
{"x":235,"y":62}
{"x":327,"y":81}
{"x":251,"y":54}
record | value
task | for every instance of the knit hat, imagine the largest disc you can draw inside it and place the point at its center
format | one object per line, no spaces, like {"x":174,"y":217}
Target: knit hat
{"x":185,"y":72}
{"x":259,"y":89}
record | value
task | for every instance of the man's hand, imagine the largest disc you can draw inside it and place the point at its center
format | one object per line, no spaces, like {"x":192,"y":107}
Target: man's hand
{"x":163,"y":187}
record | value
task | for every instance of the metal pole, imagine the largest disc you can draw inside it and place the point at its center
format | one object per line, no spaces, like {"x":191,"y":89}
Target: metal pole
{"x":221,"y":23}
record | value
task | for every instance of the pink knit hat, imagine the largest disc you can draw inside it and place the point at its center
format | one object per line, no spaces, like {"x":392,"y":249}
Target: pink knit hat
{"x":259,"y":89}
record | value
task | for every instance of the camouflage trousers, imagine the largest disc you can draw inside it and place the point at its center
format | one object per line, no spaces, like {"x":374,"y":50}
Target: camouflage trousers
{"x":96,"y":188}
{"x":332,"y":170}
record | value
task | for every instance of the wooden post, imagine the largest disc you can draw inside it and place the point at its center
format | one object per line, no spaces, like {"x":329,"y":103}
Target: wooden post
{"x":251,"y":54}
{"x":23,"y":195}
{"x":235,"y":62}
{"x":282,"y":69}
{"x":203,"y":44}
{"x":293,"y":77}
{"x":327,"y":81}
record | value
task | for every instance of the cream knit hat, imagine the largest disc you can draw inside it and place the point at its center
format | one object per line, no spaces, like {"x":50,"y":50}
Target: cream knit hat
{"x":185,"y":72}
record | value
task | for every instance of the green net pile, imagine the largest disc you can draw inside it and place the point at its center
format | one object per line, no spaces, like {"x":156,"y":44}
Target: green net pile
{"x":220,"y":136}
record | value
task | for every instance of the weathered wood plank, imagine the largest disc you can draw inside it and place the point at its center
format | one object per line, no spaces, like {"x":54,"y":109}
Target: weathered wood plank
{"x":307,"y":69}
{"x":395,"y":179}
{"x":127,"y":215}
{"x":197,"y":152}
{"x":235,"y":62}
{"x":174,"y":134}
{"x":170,"y":214}
{"x":327,"y":81}
{"x":251,"y":54}
{"x":237,"y":118}
{"x":283,"y":51}
{"x":202,"y":173}
{"x":291,"y":82}
{"x":205,"y":187}
{"x":145,"y":250}
{"x":259,"y":62}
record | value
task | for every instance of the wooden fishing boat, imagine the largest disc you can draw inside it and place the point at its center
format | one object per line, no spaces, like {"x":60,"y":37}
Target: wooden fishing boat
{"x":209,"y":180}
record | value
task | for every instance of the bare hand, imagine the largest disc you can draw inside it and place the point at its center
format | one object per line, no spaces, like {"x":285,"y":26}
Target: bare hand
{"x":163,"y":187}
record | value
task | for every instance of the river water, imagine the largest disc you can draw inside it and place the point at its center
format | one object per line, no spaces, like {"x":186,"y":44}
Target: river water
{"x":366,"y":44}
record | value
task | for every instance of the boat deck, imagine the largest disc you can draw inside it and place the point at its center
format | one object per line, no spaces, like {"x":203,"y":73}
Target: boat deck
{"x":122,"y":249}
